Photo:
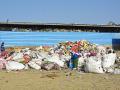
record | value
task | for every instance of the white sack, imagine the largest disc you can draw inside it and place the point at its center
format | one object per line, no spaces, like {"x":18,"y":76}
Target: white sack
{"x":93,"y":64}
{"x":18,"y":57}
{"x":65,"y":58}
{"x":108,"y":60}
{"x":12,"y":65}
{"x":37,"y":61}
{"x":55,"y":58}
{"x":43,"y":54}
{"x":33,"y":65}
{"x":81,"y":61}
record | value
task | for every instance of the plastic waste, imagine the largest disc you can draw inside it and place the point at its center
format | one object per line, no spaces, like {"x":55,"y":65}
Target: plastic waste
{"x":55,"y":58}
{"x":81,"y":62}
{"x":2,"y":63}
{"x":93,"y":64}
{"x":108,"y":60}
{"x":116,"y":71}
{"x":17,"y":57}
{"x":33,"y":65}
{"x":48,"y":66}
{"x":12,"y":65}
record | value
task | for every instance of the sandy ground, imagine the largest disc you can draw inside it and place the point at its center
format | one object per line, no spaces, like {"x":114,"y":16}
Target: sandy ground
{"x":57,"y":80}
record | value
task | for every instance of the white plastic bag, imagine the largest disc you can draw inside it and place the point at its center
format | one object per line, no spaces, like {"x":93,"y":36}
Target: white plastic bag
{"x":12,"y":65}
{"x":33,"y":65}
{"x":37,"y":61}
{"x":93,"y":64}
{"x":18,"y":57}
{"x":65,"y":58}
{"x":43,"y":54}
{"x":55,"y":58}
{"x":108,"y":60}
{"x":81,"y":61}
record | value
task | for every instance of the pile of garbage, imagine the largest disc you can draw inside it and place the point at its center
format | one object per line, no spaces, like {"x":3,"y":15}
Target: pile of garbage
{"x":82,"y":56}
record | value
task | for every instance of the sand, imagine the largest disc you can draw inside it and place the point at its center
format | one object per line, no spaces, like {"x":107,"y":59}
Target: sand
{"x":57,"y":80}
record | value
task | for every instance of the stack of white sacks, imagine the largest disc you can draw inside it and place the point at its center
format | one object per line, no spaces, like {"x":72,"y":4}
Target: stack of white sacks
{"x":103,"y":62}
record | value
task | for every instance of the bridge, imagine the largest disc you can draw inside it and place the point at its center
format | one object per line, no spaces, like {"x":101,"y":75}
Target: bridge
{"x":60,"y":26}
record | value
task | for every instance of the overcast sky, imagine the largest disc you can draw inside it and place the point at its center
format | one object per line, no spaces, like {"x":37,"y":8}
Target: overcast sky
{"x":60,"y":11}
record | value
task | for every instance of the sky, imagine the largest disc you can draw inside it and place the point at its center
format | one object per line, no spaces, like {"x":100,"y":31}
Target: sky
{"x":60,"y":11}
